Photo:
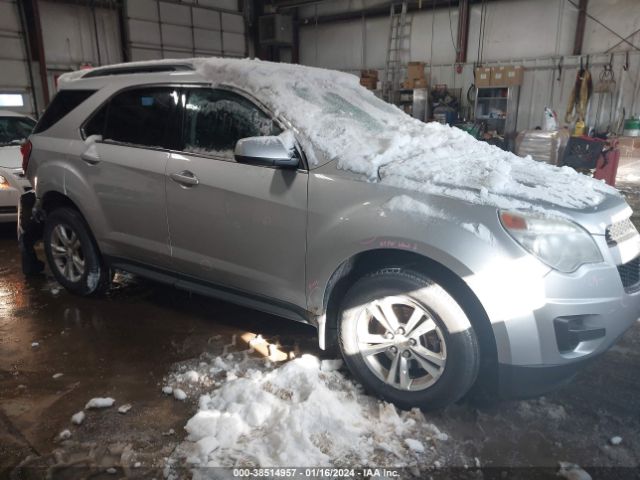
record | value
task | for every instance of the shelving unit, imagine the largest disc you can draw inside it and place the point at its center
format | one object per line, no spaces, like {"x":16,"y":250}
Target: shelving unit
{"x":415,"y":102}
{"x":498,"y":107}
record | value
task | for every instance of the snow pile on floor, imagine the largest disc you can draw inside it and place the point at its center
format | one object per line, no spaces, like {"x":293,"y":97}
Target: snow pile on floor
{"x":337,"y":119}
{"x":99,"y":402}
{"x":304,"y":413}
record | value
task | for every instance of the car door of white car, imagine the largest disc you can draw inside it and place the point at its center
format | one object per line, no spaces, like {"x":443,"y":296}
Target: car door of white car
{"x":133,"y":135}
{"x":233,"y":224}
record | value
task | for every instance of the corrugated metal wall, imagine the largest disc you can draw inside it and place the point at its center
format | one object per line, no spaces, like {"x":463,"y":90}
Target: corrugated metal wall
{"x":74,"y":35}
{"x":14,"y":66}
{"x":535,"y":33}
{"x":174,"y":29}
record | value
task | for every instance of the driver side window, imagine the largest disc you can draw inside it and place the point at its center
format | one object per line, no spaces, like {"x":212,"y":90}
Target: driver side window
{"x":214,"y":121}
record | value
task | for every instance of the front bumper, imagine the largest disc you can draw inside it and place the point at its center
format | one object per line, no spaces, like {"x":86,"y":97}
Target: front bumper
{"x":582,"y":316}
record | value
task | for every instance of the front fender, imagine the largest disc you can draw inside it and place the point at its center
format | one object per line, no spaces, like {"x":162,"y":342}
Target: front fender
{"x":348,"y":216}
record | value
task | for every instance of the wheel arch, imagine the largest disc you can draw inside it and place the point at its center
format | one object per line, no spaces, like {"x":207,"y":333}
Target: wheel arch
{"x":54,"y":199}
{"x":369,"y":261}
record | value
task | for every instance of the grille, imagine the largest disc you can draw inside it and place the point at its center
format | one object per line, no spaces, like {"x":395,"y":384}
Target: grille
{"x":620,"y":231}
{"x":8,"y":210}
{"x":630,"y":275}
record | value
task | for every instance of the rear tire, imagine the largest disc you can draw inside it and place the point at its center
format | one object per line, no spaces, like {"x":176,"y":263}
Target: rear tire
{"x":407,"y":340}
{"x":73,"y":255}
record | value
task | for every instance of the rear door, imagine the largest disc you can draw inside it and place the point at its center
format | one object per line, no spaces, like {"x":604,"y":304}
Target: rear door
{"x":128,"y":171}
{"x":232,"y":224}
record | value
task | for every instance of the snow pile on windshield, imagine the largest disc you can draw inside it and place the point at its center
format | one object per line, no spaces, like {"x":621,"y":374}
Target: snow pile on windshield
{"x":303,"y":413}
{"x":367,"y":136}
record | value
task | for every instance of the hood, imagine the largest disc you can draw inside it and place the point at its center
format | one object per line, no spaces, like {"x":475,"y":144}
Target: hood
{"x":10,"y":157}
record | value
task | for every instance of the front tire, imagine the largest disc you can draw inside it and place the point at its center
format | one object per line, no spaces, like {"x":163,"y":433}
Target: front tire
{"x":407,"y":340}
{"x":73,"y":255}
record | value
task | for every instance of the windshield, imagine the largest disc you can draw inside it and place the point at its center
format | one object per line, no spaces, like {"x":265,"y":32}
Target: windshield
{"x":15,"y":130}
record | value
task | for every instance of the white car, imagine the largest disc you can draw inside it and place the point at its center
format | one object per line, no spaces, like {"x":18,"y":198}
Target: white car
{"x":14,"y":130}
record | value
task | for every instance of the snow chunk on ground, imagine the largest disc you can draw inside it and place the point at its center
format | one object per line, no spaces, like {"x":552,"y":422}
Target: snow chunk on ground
{"x":78,"y":418}
{"x":99,"y":402}
{"x":55,"y":376}
{"x":167,"y":390}
{"x":615,"y":440}
{"x":414,"y":445}
{"x":265,"y":416}
{"x":35,"y":344}
{"x":179,"y":394}
{"x":64,"y":435}
{"x":571,"y":471}
{"x":124,"y":408}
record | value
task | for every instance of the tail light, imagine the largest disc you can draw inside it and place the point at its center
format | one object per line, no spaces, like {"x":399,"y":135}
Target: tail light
{"x":25,"y":150}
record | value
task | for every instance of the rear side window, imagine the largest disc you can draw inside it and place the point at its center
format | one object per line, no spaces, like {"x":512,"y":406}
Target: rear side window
{"x":139,"y":117}
{"x":63,"y":103}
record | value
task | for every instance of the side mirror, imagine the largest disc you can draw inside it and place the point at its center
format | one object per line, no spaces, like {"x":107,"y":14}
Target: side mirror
{"x":266,"y":151}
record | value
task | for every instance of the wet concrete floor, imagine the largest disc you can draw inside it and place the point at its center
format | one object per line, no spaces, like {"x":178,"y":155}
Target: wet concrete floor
{"x":117,"y":346}
{"x":123,"y":344}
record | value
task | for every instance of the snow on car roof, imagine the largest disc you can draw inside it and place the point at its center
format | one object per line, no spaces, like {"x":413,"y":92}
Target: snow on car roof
{"x":342,"y":121}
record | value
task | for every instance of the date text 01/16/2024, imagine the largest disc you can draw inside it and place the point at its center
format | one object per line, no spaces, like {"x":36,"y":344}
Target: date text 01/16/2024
{"x":316,"y":473}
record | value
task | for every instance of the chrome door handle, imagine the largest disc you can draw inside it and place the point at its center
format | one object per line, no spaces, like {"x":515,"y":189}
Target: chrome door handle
{"x":186,"y":178}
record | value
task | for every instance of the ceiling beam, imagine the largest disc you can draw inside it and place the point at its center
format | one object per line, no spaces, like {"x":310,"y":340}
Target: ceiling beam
{"x":378,"y":11}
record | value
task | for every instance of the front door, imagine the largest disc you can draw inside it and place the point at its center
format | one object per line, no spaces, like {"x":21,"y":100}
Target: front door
{"x":232,"y":224}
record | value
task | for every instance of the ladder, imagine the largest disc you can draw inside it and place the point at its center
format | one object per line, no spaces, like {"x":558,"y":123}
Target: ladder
{"x":398,"y":50}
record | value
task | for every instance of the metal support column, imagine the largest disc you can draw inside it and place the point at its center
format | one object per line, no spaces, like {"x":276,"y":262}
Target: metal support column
{"x":582,"y":20}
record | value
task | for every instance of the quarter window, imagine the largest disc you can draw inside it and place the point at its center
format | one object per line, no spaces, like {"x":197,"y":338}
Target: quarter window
{"x":140,"y":117}
{"x":214,"y":121}
{"x":62,"y":103}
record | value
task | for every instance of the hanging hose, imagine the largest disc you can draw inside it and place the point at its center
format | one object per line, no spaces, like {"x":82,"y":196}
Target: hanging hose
{"x":579,"y":97}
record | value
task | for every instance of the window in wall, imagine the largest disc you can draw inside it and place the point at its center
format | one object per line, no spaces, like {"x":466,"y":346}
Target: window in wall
{"x":214,"y":121}
{"x":11,"y":100}
{"x":142,"y":117}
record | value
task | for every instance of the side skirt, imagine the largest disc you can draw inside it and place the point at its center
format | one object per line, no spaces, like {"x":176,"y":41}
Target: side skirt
{"x":227,"y":294}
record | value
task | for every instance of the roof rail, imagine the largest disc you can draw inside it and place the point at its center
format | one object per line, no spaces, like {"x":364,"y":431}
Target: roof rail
{"x":129,"y":69}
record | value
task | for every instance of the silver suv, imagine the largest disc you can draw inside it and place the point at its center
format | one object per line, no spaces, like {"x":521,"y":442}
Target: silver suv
{"x":433,"y":261}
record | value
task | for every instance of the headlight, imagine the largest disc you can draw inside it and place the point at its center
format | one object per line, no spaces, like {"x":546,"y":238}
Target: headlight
{"x":561,"y":244}
{"x":4,"y":183}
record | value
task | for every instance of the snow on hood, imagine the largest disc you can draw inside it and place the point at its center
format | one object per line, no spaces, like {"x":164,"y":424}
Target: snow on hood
{"x":342,"y":121}
{"x":367,"y":136}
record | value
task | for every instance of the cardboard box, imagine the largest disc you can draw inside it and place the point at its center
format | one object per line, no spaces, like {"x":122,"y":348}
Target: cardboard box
{"x":415,"y":70}
{"x":369,"y":74}
{"x":421,"y":83}
{"x":483,"y":77}
{"x":370,"y":83}
{"x":408,"y":84}
{"x":509,"y":75}
{"x":498,"y":77}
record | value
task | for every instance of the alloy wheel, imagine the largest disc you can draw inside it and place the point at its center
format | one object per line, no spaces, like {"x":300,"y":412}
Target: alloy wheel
{"x":66,"y":250}
{"x":401,"y":343}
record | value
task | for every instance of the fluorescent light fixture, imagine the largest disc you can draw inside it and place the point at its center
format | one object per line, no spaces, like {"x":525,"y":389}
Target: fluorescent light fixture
{"x":11,"y":100}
